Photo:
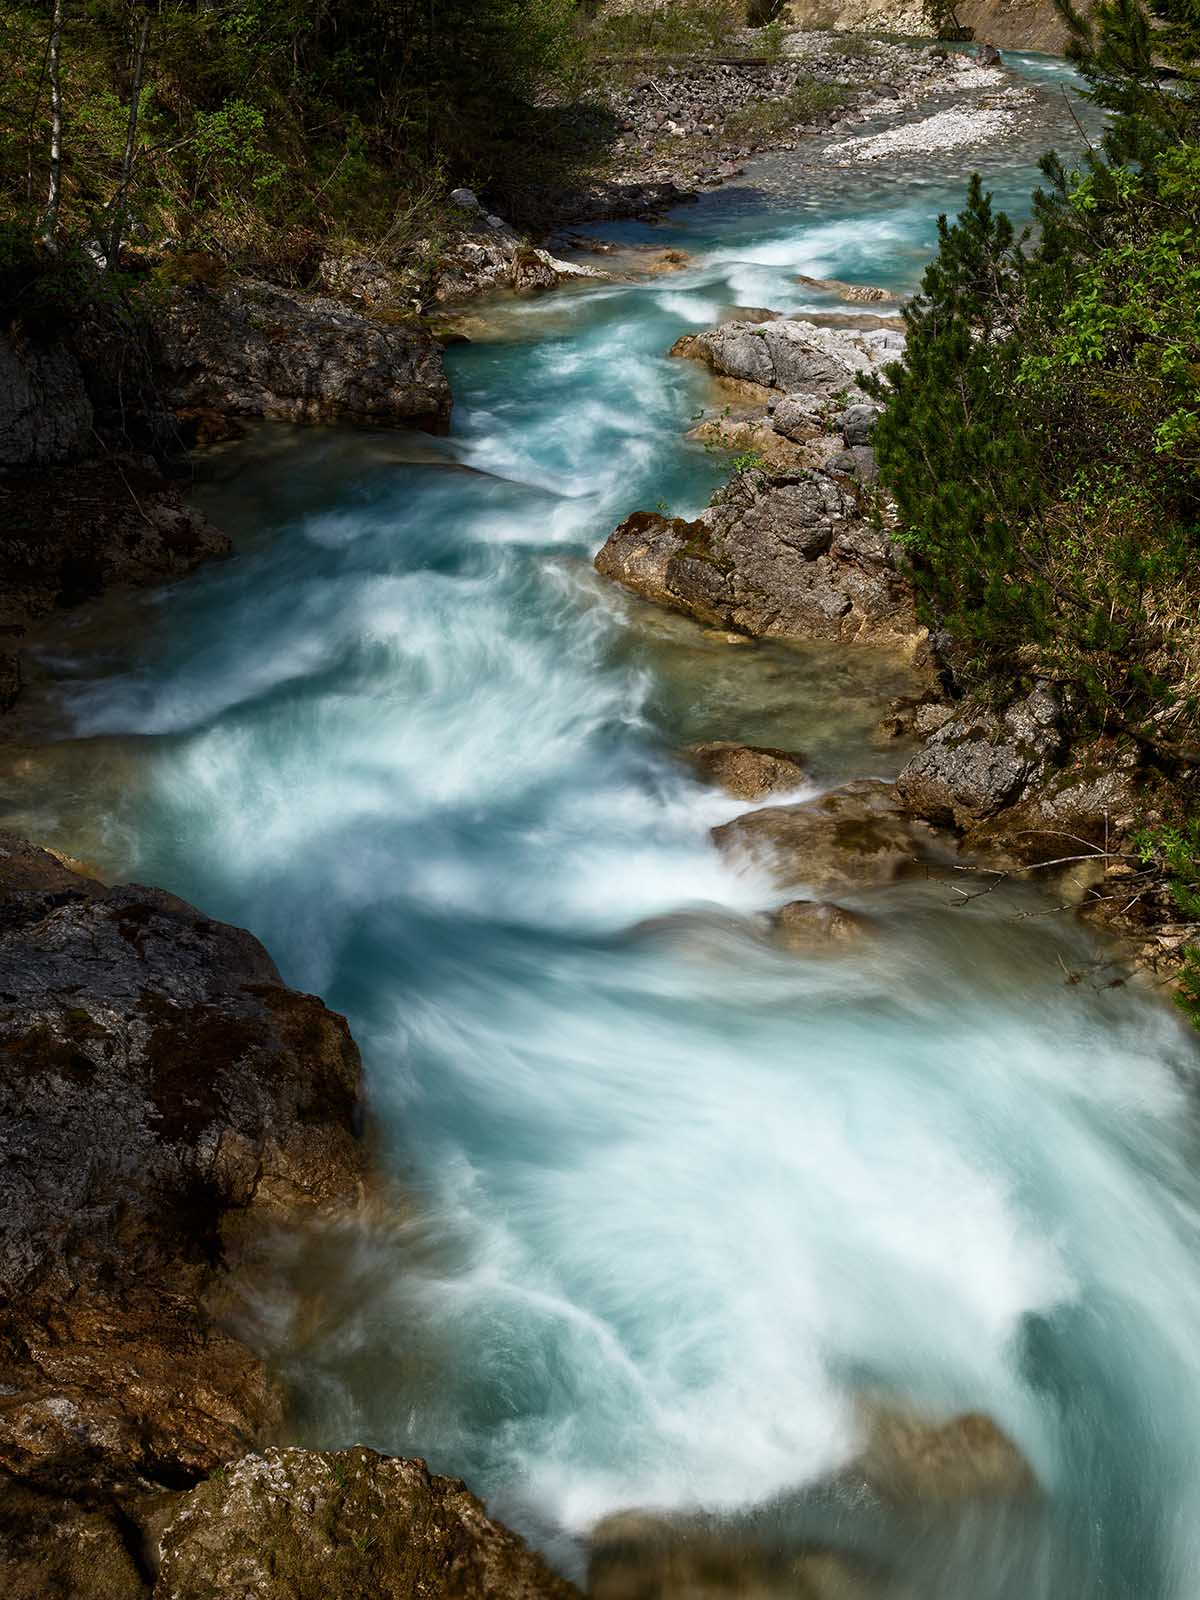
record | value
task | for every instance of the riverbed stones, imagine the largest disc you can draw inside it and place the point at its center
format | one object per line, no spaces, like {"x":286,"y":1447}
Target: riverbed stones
{"x":853,"y":837}
{"x":343,"y":1525}
{"x":250,"y":348}
{"x":164,"y":1100}
{"x":748,"y":772}
{"x":782,"y":557}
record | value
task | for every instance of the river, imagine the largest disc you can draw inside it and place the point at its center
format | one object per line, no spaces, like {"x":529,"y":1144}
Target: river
{"x":672,"y":1198}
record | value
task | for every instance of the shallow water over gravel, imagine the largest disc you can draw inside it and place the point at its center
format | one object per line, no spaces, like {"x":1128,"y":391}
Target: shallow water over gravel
{"x":673,"y":1198}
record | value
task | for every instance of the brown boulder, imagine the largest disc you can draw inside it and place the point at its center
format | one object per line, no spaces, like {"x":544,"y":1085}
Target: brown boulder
{"x":748,"y":772}
{"x":911,"y":1460}
{"x":643,"y":1555}
{"x":163,"y":1099}
{"x":782,"y":557}
{"x":851,"y":837}
{"x":812,"y":926}
{"x":350,"y":1524}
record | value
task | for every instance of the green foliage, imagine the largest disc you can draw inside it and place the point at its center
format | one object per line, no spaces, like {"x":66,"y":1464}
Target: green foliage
{"x":1042,"y":434}
{"x":750,"y":461}
{"x":680,"y":29}
{"x":941,"y":17}
{"x":265,"y":124}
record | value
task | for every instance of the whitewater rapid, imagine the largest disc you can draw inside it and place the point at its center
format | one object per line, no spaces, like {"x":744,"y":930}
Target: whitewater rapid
{"x":671,"y":1199}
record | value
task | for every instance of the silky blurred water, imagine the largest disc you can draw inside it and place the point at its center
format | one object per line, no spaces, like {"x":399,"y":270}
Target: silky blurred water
{"x":672,"y":1198}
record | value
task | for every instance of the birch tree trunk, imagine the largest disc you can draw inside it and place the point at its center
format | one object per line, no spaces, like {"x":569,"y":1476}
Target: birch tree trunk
{"x":112,"y":251}
{"x":54,"y":198}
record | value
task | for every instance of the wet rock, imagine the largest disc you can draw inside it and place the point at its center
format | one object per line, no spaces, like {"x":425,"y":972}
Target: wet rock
{"x":988,"y":56}
{"x":164,"y":1099}
{"x":45,"y":412}
{"x":748,"y":772}
{"x":323,"y":1525}
{"x":980,"y":760}
{"x":849,"y":838}
{"x":785,"y":557}
{"x":646,"y":1555}
{"x":909,"y":1459}
{"x":812,"y":926}
{"x":252,"y":349}
{"x":855,"y":293}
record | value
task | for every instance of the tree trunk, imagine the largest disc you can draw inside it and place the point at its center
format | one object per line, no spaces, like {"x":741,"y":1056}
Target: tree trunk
{"x":112,"y":251}
{"x":54,"y":198}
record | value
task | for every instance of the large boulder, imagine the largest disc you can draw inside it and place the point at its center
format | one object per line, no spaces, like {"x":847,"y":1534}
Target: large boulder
{"x":253,"y":349}
{"x":852,"y":837}
{"x":45,"y":412}
{"x":350,"y":1524}
{"x":784,"y":557}
{"x":164,"y":1099}
{"x":792,"y":355}
{"x":982,"y":760}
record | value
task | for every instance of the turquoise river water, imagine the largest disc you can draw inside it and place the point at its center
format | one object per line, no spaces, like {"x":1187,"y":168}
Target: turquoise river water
{"x":673,"y":1199}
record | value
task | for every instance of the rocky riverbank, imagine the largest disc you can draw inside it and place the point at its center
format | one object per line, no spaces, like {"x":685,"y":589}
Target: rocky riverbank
{"x":688,"y":125}
{"x":797,"y":547}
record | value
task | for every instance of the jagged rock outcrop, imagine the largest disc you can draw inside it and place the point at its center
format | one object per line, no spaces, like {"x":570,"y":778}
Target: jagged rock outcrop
{"x":793,"y":355}
{"x":1011,"y":24}
{"x":343,"y":1525}
{"x":784,"y":557}
{"x":980,"y":761}
{"x":252,"y":349}
{"x":163,"y":1099}
{"x":45,"y":412}
{"x":853,"y":837}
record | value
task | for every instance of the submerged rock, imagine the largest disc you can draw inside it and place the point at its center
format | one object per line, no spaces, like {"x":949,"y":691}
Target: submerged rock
{"x":911,"y":1460}
{"x":749,"y":772}
{"x":343,"y":1525}
{"x":855,"y":293}
{"x":912,"y":1473}
{"x":253,"y":349}
{"x":784,"y":557}
{"x":646,"y":1555}
{"x":812,"y":926}
{"x":164,"y":1098}
{"x":851,"y":837}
